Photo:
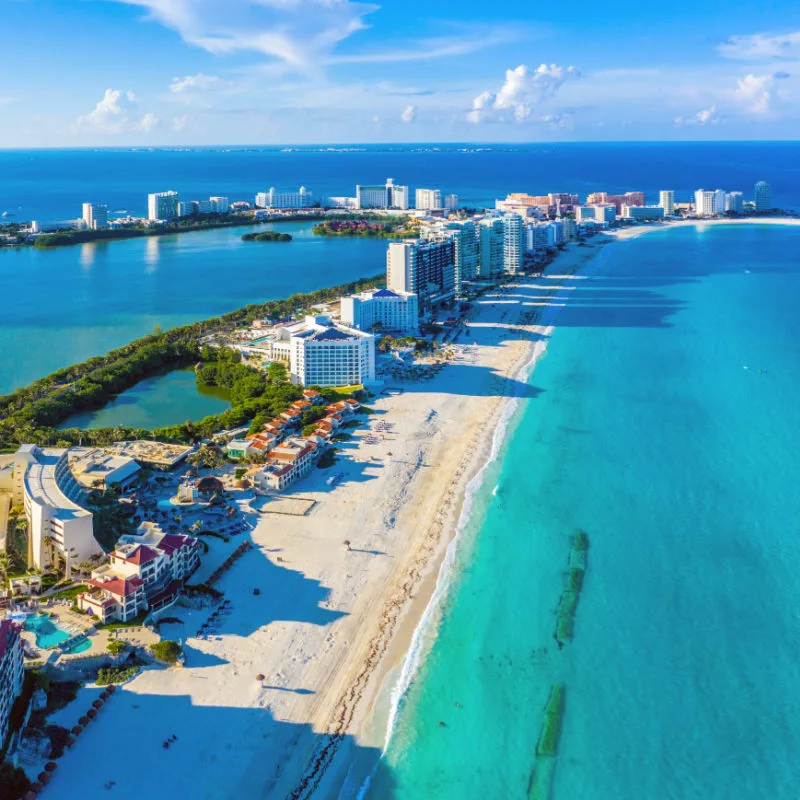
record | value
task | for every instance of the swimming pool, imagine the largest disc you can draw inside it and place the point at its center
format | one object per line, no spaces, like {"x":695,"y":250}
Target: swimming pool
{"x":50,"y":634}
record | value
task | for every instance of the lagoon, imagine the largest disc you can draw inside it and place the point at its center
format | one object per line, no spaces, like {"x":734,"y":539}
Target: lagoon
{"x":155,"y":402}
{"x":63,"y":305}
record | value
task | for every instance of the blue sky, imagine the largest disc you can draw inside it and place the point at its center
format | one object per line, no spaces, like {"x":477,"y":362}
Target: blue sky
{"x":193,"y":72}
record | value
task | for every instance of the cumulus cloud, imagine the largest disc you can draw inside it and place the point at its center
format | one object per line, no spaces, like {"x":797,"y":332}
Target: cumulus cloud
{"x":707,"y":116}
{"x":194,"y":82}
{"x":179,"y":123}
{"x":298,"y":33}
{"x":409,"y":114}
{"x":761,"y":46}
{"x":118,"y":112}
{"x":523,"y":89}
{"x":754,"y":92}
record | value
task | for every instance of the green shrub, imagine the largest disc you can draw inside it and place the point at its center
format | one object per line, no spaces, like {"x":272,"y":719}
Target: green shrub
{"x":108,"y":675}
{"x":166,"y":651}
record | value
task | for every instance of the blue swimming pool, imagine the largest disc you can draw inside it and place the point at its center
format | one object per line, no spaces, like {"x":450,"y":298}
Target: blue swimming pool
{"x":49,"y":634}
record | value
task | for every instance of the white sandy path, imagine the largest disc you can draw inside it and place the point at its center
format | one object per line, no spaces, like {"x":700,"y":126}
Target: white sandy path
{"x":328,"y":623}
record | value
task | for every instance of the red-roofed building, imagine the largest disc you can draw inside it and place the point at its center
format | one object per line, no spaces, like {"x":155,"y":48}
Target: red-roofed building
{"x":114,"y":598}
{"x":11,"y":670}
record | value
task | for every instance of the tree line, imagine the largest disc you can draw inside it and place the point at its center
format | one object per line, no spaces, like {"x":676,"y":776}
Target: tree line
{"x":31,"y":414}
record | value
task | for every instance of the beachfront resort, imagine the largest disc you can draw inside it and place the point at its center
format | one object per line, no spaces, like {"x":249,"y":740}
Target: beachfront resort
{"x":256,"y":549}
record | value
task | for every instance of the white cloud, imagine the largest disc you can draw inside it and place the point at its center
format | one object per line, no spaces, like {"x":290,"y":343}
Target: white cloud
{"x":707,"y":116}
{"x":179,"y":123}
{"x":523,"y":88}
{"x":297,"y":33}
{"x":191,"y":82}
{"x":117,"y":112}
{"x":755,"y":93}
{"x":761,"y":46}
{"x":409,"y":114}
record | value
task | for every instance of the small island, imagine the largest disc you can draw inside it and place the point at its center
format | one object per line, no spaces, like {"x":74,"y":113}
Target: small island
{"x":267,"y":236}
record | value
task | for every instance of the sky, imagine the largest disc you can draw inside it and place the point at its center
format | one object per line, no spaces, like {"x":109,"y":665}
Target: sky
{"x":209,"y":72}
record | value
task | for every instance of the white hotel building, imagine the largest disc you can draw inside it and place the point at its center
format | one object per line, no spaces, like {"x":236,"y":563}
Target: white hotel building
{"x":11,"y":670}
{"x":59,"y":529}
{"x":275,"y":199}
{"x":162,"y":206}
{"x":321,"y":353}
{"x":393,"y":311}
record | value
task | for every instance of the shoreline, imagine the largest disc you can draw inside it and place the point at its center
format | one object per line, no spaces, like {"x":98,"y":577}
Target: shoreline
{"x":338,"y":623}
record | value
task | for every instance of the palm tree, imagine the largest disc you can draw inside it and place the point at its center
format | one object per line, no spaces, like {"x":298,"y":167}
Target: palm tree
{"x":5,"y":563}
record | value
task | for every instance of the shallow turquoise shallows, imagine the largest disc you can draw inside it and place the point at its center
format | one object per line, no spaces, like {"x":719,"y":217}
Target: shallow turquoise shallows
{"x":155,"y":402}
{"x":666,"y":427}
{"x":62,"y":305}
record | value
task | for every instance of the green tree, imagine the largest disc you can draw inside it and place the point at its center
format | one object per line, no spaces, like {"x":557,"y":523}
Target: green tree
{"x":166,"y":651}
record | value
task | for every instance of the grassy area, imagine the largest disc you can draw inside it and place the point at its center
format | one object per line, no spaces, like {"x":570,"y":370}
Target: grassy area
{"x":68,"y":594}
{"x":109,"y":675}
{"x":131,"y":623}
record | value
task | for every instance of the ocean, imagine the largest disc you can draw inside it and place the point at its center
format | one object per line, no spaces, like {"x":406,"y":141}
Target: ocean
{"x":665,"y":428}
{"x":52,"y":184}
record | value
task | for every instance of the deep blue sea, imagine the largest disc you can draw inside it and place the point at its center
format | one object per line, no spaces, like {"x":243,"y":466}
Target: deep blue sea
{"x":666,"y":427}
{"x":52,"y":184}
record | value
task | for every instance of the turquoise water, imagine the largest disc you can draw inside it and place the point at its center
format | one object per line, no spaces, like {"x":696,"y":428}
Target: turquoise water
{"x":155,"y":402}
{"x":63,"y":305}
{"x":666,"y":429}
{"x":49,"y":634}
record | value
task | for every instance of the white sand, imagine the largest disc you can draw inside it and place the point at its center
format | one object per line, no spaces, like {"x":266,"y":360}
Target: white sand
{"x":329,"y":623}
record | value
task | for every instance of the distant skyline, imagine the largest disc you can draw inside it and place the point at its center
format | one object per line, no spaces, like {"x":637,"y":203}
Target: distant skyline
{"x":249,"y":72}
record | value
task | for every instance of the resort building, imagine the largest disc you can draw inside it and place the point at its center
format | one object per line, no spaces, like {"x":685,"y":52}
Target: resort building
{"x":59,"y":529}
{"x":666,"y":199}
{"x":96,"y":469}
{"x":275,"y":199}
{"x":513,"y":243}
{"x":451,"y":202}
{"x":162,"y":206}
{"x":642,"y":213}
{"x":187,"y":208}
{"x":321,"y":353}
{"x":95,"y":216}
{"x":382,"y":196}
{"x":428,"y":199}
{"x":145,"y":571}
{"x":286,"y":463}
{"x":391,"y":311}
{"x":466,"y":253}
{"x":219,"y":205}
{"x":734,"y":202}
{"x":616,"y":200}
{"x":708,"y":204}
{"x":424,"y":268}
{"x":598,"y":212}
{"x":11,"y":670}
{"x":570,"y":227}
{"x":156,"y":454}
{"x":763,"y":196}
{"x":491,"y":248}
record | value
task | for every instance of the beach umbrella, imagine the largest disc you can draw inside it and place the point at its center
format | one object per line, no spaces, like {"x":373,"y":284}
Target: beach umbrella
{"x":44,"y":778}
{"x":98,"y":703}
{"x":83,"y":721}
{"x":105,"y":694}
{"x":51,"y":766}
{"x":29,"y":796}
{"x":77,"y":730}
{"x":259,"y":677}
{"x":91,"y":713}
{"x":70,"y":741}
{"x":35,"y":788}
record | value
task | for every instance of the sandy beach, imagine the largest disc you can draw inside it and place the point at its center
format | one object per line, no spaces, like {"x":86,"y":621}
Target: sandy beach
{"x":330,"y":622}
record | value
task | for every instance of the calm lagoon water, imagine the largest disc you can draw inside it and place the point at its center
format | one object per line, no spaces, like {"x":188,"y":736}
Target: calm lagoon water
{"x":63,"y":305}
{"x":154,"y":403}
{"x":666,"y":427}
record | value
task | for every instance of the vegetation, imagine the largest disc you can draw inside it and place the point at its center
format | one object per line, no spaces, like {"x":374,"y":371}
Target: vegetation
{"x":32,"y":413}
{"x":196,"y":222}
{"x":107,"y":675}
{"x":68,"y":594}
{"x":387,"y":228}
{"x":117,"y":646}
{"x":267,"y":236}
{"x":13,"y":780}
{"x":166,"y":651}
{"x":327,"y":459}
{"x":16,"y":545}
{"x":111,"y":518}
{"x":135,"y":622}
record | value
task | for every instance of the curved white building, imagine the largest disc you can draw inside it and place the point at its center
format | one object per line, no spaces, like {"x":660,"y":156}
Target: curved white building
{"x":59,"y":529}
